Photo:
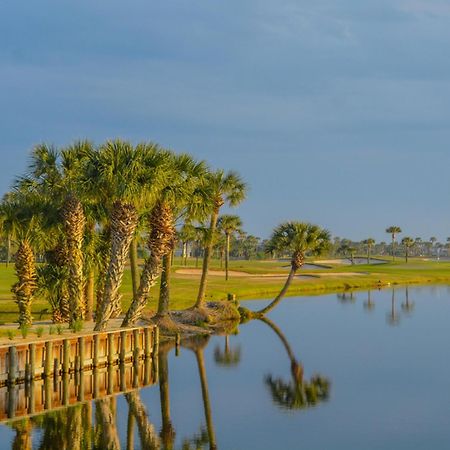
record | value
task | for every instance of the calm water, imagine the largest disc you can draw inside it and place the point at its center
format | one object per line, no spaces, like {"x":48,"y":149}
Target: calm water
{"x":387,"y":362}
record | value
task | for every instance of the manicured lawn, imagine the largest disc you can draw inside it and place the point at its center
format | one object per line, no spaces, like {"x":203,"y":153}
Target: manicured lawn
{"x":184,"y":287}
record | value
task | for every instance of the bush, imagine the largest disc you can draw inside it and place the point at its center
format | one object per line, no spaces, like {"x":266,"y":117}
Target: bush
{"x":77,"y":325}
{"x":59,"y":329}
{"x":24,"y":329}
{"x":39,"y":331}
{"x":11,"y":334}
{"x":51,"y":330}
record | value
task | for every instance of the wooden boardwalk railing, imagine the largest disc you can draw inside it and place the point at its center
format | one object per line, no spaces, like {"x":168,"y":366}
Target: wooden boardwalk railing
{"x":45,"y":375}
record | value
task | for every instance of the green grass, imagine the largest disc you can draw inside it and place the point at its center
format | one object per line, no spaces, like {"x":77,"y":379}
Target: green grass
{"x":184,"y":287}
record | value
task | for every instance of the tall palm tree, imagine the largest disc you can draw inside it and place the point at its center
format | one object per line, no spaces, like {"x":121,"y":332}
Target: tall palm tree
{"x":178,"y":197}
{"x":300,"y":239}
{"x":369,"y":243}
{"x":224,"y":188}
{"x":125,"y":180}
{"x":408,"y":243}
{"x":392,"y":317}
{"x":433,"y":241}
{"x":393,"y":231}
{"x":229,"y":225}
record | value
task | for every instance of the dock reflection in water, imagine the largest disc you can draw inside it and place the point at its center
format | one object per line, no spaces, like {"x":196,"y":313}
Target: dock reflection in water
{"x":79,"y":411}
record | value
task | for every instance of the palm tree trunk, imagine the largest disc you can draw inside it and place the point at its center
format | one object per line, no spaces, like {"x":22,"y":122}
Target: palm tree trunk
{"x":282,"y":337}
{"x":149,"y":277}
{"x":8,"y":249}
{"x":207,"y":258}
{"x":24,"y":433}
{"x":147,"y":434}
{"x":160,"y":243}
{"x":74,"y":225}
{"x":280,"y":296}
{"x":406,"y":255}
{"x":90,"y":294}
{"x":368,"y":255}
{"x":206,"y":402}
{"x":167,"y":430}
{"x":227,"y":256}
{"x":164,"y":291}
{"x":123,"y":224}
{"x":134,"y":266}
{"x":393,"y":249}
{"x":26,"y":285}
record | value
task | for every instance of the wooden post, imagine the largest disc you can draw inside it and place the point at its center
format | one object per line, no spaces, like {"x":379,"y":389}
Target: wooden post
{"x":122,"y":374}
{"x":81,"y":387}
{"x":147,"y":342}
{"x":111,"y":349}
{"x":110,"y":389}
{"x":155,"y":341}
{"x":81,"y":352}
{"x":123,"y":346}
{"x":48,"y":358}
{"x":96,"y":349}
{"x":66,"y":356}
{"x":96,"y":387}
{"x":32,"y":354}
{"x":177,"y":344}
{"x":147,"y":371}
{"x":136,"y":345}
{"x":12,"y":369}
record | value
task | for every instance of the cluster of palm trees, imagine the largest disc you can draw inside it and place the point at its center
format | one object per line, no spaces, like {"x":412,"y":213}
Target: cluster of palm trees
{"x":81,"y":211}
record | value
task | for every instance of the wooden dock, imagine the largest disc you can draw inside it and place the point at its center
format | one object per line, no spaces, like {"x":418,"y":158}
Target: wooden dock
{"x":45,"y":375}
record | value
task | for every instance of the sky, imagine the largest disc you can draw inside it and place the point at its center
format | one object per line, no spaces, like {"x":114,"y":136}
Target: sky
{"x":334,"y":111}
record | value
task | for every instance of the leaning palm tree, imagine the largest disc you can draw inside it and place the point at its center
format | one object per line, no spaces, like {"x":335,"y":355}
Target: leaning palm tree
{"x":178,"y":197}
{"x":408,"y":243}
{"x":299,"y":239}
{"x":224,"y":188}
{"x":393,"y":231}
{"x":369,"y":243}
{"x":229,"y":225}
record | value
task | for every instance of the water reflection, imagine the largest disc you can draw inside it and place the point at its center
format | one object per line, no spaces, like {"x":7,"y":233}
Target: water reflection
{"x":80,"y":411}
{"x":393,"y":315}
{"x":297,"y":393}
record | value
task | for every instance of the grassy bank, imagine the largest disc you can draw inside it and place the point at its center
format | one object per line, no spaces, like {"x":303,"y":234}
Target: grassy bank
{"x":255,"y":284}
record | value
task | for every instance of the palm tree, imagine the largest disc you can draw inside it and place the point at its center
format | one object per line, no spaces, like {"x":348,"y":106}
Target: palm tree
{"x":177,"y":198}
{"x":300,"y":239}
{"x":299,"y":393}
{"x":107,"y":423}
{"x":167,"y":432}
{"x":408,"y":243}
{"x":121,"y":176}
{"x":393,"y":231}
{"x":224,"y":188}
{"x":229,"y":225}
{"x":369,"y":243}
{"x":433,"y":241}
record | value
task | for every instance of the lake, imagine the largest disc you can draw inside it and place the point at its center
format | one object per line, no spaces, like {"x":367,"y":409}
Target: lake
{"x":375,"y":376}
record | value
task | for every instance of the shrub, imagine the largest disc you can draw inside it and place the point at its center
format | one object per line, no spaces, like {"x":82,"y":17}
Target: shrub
{"x":24,"y":329}
{"x":11,"y":334}
{"x":77,"y":325}
{"x":39,"y":331}
{"x":59,"y":329}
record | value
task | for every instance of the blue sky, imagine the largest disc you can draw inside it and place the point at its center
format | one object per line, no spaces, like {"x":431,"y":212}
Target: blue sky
{"x":334,"y":111}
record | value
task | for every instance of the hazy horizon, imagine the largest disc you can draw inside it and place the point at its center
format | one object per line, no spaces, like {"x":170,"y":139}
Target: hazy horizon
{"x":334,"y":112}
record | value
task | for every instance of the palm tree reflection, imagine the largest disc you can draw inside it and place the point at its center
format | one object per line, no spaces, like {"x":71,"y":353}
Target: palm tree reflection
{"x":297,"y":393}
{"x":407,"y":306}
{"x":392,"y":317}
{"x":369,"y":305}
{"x":229,"y":357}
